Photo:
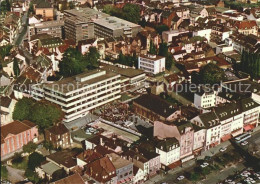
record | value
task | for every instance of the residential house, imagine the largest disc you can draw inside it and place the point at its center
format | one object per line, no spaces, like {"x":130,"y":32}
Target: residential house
{"x":58,"y":135}
{"x":169,"y":151}
{"x":74,"y":178}
{"x":43,"y":8}
{"x":65,"y":159}
{"x":247,"y":27}
{"x":7,"y":108}
{"x":124,"y":168}
{"x":210,"y":122}
{"x":180,"y":129}
{"x":102,"y":171}
{"x":46,"y":170}
{"x":204,"y":98}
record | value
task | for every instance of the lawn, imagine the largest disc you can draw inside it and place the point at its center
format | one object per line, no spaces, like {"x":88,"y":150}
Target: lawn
{"x":22,"y":165}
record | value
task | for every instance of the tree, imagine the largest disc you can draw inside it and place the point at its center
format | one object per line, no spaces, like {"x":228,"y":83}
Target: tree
{"x":59,"y":174}
{"x":163,"y":51}
{"x":92,"y":58}
{"x":34,"y":160}
{"x":5,"y":51}
{"x":194,"y":176}
{"x":211,"y":74}
{"x":48,"y":145}
{"x":142,"y":22}
{"x":131,"y":12}
{"x":72,"y":63}
{"x":42,"y":113}
{"x":30,"y":147}
{"x":31,"y":175}
{"x":5,"y":6}
{"x":4,"y":172}
{"x":152,"y":49}
{"x":23,"y":109}
{"x":16,"y":67}
{"x":17,"y":158}
{"x":161,"y":28}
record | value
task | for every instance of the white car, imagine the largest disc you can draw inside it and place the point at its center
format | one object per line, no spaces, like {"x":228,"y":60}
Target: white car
{"x":180,"y":178}
{"x":222,"y":149}
{"x":205,"y":164}
{"x":244,"y":143}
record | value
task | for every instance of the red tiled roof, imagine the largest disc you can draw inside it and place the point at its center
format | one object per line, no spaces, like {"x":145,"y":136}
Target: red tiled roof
{"x":101,"y":170}
{"x":15,"y":128}
{"x":75,"y":178}
{"x":245,"y":24}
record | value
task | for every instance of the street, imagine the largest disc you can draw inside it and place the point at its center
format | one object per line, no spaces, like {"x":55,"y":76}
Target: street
{"x":15,"y":175}
{"x":170,"y":178}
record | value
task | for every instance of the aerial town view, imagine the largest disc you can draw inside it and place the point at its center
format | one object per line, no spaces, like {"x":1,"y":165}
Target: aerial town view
{"x":130,"y":91}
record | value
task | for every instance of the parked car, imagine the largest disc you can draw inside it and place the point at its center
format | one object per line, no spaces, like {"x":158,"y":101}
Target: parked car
{"x":222,"y":149}
{"x":180,"y":178}
{"x":205,"y":164}
{"x":244,"y":143}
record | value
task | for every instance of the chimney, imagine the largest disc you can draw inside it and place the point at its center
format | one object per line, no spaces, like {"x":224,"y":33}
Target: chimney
{"x":101,"y":141}
{"x":91,"y":171}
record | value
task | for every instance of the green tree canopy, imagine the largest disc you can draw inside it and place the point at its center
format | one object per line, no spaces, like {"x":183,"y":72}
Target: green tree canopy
{"x":34,"y":160}
{"x":5,"y":6}
{"x":4,"y":172}
{"x":161,"y":28}
{"x":42,"y":113}
{"x":59,"y":174}
{"x":211,"y":74}
{"x":92,"y":58}
{"x":152,"y":49}
{"x":16,"y":67}
{"x":30,"y":147}
{"x":163,"y":51}
{"x":5,"y":51}
{"x":131,"y":12}
{"x":72,"y":63}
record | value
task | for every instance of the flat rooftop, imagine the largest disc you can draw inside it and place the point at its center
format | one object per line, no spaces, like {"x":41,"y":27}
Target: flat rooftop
{"x":53,"y":23}
{"x":86,"y":14}
{"x":127,"y":72}
{"x":152,"y":57}
{"x":73,"y":83}
{"x":115,"y":23}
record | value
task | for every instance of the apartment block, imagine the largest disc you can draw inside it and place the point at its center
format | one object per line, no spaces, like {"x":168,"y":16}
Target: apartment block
{"x":53,"y":28}
{"x":152,"y":64}
{"x":82,"y":93}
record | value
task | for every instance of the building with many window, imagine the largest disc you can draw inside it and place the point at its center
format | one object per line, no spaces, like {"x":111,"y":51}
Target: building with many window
{"x":53,"y":28}
{"x":82,"y":93}
{"x":115,"y":27}
{"x":151,"y":63}
{"x":17,"y":134}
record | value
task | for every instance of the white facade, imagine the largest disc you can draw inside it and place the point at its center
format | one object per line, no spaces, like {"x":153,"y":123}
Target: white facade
{"x":139,"y":176}
{"x":224,"y":48}
{"x":206,"y":33}
{"x":205,"y":100}
{"x":79,"y":94}
{"x":167,"y":158}
{"x":151,"y":64}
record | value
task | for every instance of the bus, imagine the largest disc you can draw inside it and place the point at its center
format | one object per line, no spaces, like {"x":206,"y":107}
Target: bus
{"x":242,"y":137}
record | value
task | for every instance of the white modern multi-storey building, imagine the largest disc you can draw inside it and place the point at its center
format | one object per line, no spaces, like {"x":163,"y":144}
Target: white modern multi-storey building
{"x":80,"y":94}
{"x":151,"y":63}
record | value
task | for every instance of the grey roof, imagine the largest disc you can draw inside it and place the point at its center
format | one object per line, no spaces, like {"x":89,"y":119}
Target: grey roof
{"x":166,"y":144}
{"x":50,"y":168}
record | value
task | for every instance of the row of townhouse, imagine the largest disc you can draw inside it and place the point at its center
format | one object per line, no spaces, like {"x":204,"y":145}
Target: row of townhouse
{"x":205,"y":130}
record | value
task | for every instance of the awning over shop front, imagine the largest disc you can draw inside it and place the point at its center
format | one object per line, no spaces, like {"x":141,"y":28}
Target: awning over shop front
{"x":225,"y":138}
{"x":249,"y":127}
